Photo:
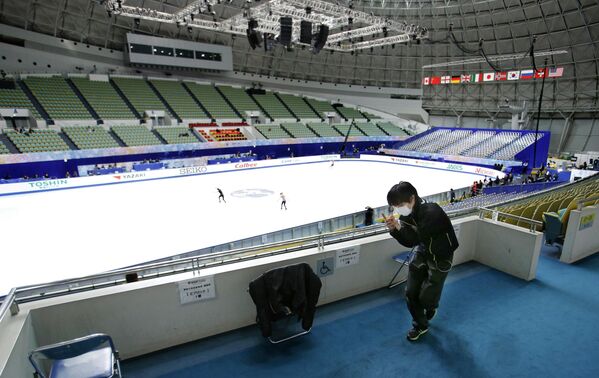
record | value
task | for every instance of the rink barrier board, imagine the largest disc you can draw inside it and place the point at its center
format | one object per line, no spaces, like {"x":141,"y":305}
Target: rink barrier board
{"x":122,"y":178}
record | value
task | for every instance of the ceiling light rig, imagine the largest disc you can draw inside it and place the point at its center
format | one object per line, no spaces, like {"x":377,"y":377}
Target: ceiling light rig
{"x":347,"y":26}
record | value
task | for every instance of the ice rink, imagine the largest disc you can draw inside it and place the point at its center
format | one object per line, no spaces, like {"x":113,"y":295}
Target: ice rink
{"x":60,"y":234}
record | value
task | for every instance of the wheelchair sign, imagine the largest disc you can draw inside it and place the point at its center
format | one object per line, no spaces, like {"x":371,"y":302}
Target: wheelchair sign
{"x":325,"y":267}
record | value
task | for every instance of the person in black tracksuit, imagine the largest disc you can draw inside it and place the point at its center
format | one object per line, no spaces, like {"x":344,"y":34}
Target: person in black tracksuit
{"x":426,"y":227}
{"x":221,"y":195}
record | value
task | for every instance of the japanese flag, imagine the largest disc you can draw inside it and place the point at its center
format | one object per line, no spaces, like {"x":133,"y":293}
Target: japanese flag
{"x":489,"y":76}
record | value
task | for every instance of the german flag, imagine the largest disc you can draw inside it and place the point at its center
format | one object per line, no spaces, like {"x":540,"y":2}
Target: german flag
{"x":455,"y":80}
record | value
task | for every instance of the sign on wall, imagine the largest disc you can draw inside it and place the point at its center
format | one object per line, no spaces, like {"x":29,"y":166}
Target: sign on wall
{"x":347,"y":256}
{"x":197,"y":289}
{"x":586,"y":222}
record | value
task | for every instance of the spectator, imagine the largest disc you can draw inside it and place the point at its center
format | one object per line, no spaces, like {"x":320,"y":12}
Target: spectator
{"x":451,"y":196}
{"x":368,"y":216}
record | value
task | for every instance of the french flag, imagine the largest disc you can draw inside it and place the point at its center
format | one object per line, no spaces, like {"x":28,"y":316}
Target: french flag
{"x":527,"y":74}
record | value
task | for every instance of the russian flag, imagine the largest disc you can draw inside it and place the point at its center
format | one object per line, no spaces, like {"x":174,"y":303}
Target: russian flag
{"x":526,"y":74}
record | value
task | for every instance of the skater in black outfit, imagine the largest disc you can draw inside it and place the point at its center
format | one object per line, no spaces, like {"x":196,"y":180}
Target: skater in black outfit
{"x":424,"y":226}
{"x":221,"y":195}
{"x":283,"y":202}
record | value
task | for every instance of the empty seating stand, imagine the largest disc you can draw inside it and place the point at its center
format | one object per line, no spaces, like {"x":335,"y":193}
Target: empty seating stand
{"x":37,"y":141}
{"x":57,"y":98}
{"x":176,"y":135}
{"x":3,"y":149}
{"x":350,"y":113}
{"x":103,"y":98}
{"x":298,"y":106}
{"x":370,"y":129}
{"x":139,"y":94}
{"x":90,"y":137}
{"x":272,"y":131}
{"x":239,"y":99}
{"x":343,"y":128}
{"x":224,"y":135}
{"x":324,"y":130}
{"x":214,"y":103}
{"x":391,"y":129}
{"x":135,"y":135}
{"x":179,"y":99}
{"x":321,"y":107}
{"x":273,"y":106}
{"x":298,"y":130}
{"x":16,"y":99}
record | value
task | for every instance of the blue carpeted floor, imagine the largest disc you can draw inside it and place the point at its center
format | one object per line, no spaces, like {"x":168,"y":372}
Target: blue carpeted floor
{"x":489,"y":325}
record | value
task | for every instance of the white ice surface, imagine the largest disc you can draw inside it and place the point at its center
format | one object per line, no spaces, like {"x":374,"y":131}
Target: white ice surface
{"x":61,"y":234}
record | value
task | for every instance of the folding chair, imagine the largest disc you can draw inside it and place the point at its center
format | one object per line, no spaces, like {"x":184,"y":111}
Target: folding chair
{"x":404,"y":258}
{"x":89,"y":356}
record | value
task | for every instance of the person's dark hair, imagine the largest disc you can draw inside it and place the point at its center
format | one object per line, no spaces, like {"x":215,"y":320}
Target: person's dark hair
{"x":401,"y":193}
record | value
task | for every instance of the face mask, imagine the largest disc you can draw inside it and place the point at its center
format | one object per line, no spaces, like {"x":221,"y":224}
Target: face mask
{"x":403,"y":211}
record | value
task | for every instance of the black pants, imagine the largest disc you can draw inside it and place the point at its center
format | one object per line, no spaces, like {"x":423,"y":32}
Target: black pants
{"x":426,"y":278}
{"x":284,"y":203}
{"x":223,"y":198}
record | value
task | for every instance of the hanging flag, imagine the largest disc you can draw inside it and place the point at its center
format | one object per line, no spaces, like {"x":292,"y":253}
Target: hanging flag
{"x":465,"y":78}
{"x":445,"y":79}
{"x":540,"y":73}
{"x":435,"y":80}
{"x":500,"y":76}
{"x":489,"y":76}
{"x":478,"y":77}
{"x":513,"y":75}
{"x":555,"y":72}
{"x":426,"y":80}
{"x":526,"y":74}
{"x":455,"y":80}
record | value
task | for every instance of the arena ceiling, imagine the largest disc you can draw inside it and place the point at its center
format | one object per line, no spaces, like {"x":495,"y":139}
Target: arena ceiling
{"x":457,"y":30}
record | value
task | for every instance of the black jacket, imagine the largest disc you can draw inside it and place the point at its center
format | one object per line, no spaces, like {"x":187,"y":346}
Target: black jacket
{"x":283,"y":291}
{"x":429,"y":228}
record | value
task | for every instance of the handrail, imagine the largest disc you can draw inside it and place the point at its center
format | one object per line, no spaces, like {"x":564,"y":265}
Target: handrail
{"x":583,"y":200}
{"x":9,"y":302}
{"x":495,"y":213}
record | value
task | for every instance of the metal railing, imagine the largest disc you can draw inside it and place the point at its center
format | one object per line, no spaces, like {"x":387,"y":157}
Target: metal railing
{"x":580,"y":202}
{"x":495,"y":214}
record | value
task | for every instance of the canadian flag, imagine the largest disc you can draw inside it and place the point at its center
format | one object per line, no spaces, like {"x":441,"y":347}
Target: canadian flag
{"x":426,"y":81}
{"x":513,"y":75}
{"x":445,"y":79}
{"x":489,"y":76}
{"x":500,"y":76}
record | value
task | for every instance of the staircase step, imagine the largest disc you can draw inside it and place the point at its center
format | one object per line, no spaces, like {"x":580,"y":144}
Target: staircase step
{"x":287,"y":107}
{"x":125,"y":99}
{"x":229,"y":102}
{"x":198,"y":102}
{"x":38,"y":106}
{"x":82,"y":99}
{"x":163,"y":100}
